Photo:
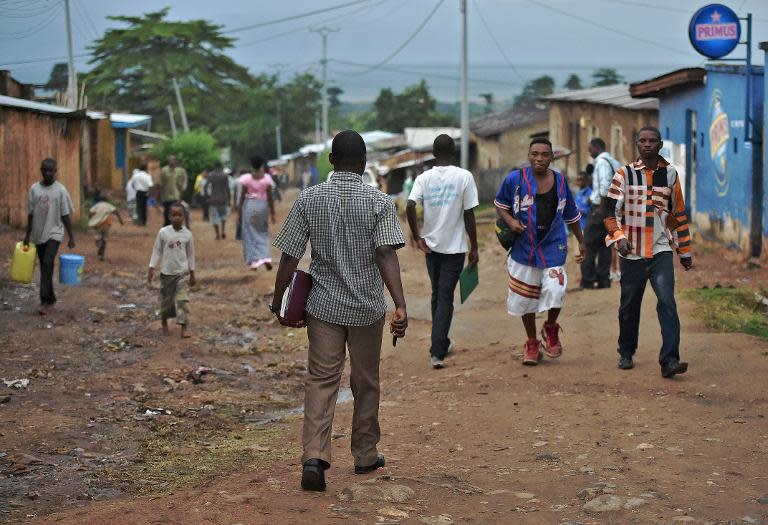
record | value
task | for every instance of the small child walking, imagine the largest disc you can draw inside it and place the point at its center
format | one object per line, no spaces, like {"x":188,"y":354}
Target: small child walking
{"x":175,"y":247}
{"x":101,"y":221}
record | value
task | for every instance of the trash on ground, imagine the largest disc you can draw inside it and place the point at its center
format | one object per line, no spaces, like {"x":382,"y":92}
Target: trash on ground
{"x":17,"y":383}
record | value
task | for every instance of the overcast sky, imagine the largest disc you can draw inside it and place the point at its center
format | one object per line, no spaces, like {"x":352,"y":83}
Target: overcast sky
{"x":558,"y":37}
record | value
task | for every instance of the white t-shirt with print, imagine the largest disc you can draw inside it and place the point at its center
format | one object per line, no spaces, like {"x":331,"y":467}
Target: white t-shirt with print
{"x":446,"y":192}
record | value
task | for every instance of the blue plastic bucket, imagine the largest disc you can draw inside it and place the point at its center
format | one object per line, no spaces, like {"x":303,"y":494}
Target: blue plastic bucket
{"x":70,"y":268}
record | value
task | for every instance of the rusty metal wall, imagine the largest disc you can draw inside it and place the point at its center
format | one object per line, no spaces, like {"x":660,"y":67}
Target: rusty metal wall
{"x":26,"y":138}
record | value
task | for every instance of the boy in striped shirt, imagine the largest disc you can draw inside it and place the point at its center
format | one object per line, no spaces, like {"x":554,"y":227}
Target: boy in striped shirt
{"x":646,"y":220}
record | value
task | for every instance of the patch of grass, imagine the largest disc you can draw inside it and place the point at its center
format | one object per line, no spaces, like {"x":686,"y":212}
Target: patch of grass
{"x":173,"y":459}
{"x":730,"y":310}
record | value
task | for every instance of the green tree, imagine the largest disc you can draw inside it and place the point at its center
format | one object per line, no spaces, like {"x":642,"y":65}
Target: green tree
{"x":534,"y":90}
{"x":59,"y":77}
{"x":415,"y":107}
{"x":195,"y":151}
{"x":250,"y":128}
{"x":133,"y":68}
{"x":333,"y":96}
{"x":606,"y":76}
{"x":573,"y":82}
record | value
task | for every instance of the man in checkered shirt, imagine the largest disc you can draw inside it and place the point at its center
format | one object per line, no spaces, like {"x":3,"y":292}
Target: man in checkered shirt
{"x":354,"y":233}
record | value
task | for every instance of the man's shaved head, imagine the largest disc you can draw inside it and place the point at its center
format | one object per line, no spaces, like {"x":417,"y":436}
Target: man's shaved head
{"x":348,"y":152}
{"x":444,"y":146}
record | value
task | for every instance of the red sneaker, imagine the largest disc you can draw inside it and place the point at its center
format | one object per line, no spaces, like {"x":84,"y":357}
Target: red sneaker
{"x":532,"y":352}
{"x":552,"y":346}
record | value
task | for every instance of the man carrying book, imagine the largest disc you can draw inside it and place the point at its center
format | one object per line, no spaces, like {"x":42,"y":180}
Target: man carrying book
{"x":354,"y":233}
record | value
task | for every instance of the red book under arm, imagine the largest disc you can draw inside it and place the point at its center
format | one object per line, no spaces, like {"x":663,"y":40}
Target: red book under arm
{"x":295,"y":298}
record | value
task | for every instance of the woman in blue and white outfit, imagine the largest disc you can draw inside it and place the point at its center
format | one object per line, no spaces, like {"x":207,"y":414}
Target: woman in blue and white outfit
{"x":536,"y":203}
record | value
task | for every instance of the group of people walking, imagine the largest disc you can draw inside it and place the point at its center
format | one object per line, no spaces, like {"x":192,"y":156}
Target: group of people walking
{"x":637,"y":209}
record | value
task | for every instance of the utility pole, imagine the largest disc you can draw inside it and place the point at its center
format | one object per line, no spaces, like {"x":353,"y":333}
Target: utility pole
{"x":278,"y":127}
{"x":324,"y":62}
{"x":464,"y":89}
{"x":71,"y":73}
{"x":317,"y":128}
{"x":173,"y":120}
{"x":180,"y":102}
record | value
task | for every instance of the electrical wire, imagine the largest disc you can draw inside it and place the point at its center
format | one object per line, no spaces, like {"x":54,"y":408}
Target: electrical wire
{"x":91,"y":22}
{"x":674,"y":9}
{"x":90,"y":27}
{"x":302,"y":28}
{"x":295,"y":17}
{"x":39,"y":60}
{"x":24,"y":9}
{"x":52,"y":16}
{"x":609,"y":28}
{"x":407,"y":41}
{"x":495,"y":41}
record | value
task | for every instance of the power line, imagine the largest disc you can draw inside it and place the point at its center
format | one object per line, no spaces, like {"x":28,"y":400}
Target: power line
{"x":23,"y":9}
{"x":295,"y":17}
{"x":671,"y":9}
{"x":38,"y":60}
{"x":52,"y":15}
{"x":299,"y":29}
{"x":302,"y":28}
{"x":495,"y":41}
{"x":633,"y":36}
{"x":409,"y":39}
{"x":88,"y":20}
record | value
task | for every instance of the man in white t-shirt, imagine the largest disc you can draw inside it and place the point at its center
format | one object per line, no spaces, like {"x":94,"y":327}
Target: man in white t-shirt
{"x":449,"y":195}
{"x":141,"y":182}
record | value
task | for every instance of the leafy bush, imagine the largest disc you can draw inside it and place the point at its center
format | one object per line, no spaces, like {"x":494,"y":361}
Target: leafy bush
{"x":324,"y":166}
{"x":195,"y":151}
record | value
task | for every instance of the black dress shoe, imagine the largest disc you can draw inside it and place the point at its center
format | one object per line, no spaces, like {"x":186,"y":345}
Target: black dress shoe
{"x":625,"y":363}
{"x":313,"y":476}
{"x":673,"y":367}
{"x":370,"y":468}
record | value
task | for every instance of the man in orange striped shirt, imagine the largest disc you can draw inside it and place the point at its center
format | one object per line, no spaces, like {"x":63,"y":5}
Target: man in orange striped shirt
{"x":646,"y":221}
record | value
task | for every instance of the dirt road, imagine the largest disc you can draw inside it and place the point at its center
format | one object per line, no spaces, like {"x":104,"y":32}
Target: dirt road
{"x":113,"y":412}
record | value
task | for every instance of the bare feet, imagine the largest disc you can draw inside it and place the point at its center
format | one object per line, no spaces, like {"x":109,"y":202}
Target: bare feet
{"x":184,"y":333}
{"x":165,"y":327}
{"x":42,"y":309}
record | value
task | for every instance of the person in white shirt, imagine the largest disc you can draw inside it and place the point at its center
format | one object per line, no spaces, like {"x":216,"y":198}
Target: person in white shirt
{"x":141,"y":182}
{"x":596,"y":268}
{"x":174,"y":250}
{"x":449,"y":196}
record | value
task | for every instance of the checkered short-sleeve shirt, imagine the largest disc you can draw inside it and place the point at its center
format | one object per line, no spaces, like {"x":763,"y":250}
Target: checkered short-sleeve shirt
{"x":345,"y":221}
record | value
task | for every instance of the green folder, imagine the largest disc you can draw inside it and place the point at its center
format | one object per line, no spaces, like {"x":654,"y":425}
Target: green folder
{"x":468,"y":281}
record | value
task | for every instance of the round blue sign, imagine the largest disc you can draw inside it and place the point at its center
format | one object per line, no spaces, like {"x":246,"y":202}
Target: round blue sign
{"x":715,"y":30}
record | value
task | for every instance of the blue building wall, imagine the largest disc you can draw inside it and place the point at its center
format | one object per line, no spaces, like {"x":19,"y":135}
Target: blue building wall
{"x":720,"y":188}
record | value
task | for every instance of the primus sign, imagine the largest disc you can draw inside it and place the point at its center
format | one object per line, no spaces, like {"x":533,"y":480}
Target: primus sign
{"x":714,"y":30}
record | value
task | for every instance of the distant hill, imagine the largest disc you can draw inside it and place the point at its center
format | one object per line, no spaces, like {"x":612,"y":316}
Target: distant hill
{"x":451,"y":108}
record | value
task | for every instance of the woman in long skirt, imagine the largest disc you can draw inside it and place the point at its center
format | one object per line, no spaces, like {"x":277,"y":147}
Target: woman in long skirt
{"x":256,"y":210}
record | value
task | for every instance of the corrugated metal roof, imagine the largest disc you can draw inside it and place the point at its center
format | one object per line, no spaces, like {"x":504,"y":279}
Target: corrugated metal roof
{"x":496,"y":123}
{"x":616,"y":95}
{"x":369,"y":137}
{"x":39,"y":107}
{"x":121,"y":120}
{"x":420,"y":139}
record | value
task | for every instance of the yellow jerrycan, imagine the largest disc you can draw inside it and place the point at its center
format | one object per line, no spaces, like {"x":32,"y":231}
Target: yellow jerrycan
{"x":23,"y":265}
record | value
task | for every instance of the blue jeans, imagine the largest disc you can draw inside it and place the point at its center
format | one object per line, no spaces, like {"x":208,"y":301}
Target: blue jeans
{"x":634,"y":276}
{"x":444,"y":271}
